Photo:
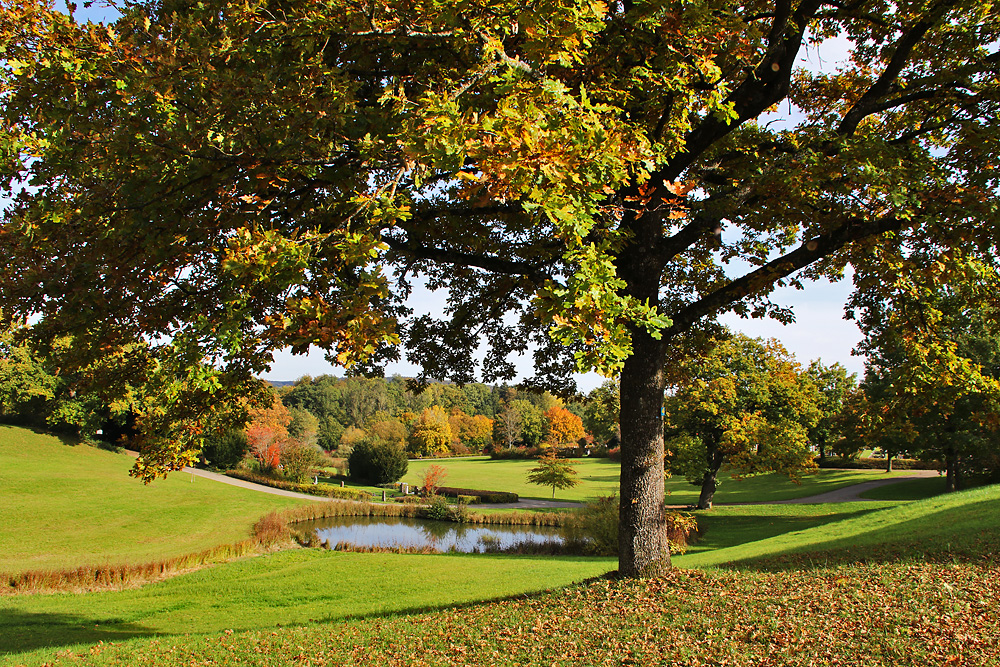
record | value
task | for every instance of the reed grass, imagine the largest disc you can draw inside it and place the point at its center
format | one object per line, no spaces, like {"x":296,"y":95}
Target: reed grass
{"x":412,"y":511}
{"x":89,"y":578}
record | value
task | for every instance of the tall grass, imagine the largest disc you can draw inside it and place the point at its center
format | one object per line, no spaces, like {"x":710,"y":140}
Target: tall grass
{"x":365,"y":509}
{"x":90,"y":578}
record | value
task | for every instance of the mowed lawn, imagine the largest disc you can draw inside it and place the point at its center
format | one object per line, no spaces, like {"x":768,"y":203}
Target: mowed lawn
{"x":290,"y":588}
{"x":599,"y":477}
{"x":65,"y":506}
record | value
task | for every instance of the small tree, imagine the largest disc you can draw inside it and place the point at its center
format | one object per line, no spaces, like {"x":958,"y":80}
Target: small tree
{"x":432,"y":478}
{"x":554,"y":472}
{"x":377,"y":462}
{"x":298,"y":458}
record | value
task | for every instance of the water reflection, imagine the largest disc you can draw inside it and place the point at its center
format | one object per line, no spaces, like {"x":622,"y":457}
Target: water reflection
{"x":394,"y":532}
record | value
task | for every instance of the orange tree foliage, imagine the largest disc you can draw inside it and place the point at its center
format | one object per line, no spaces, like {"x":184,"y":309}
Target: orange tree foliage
{"x":267,"y":432}
{"x":474,"y":432}
{"x":564,"y":428}
{"x":592,"y":179}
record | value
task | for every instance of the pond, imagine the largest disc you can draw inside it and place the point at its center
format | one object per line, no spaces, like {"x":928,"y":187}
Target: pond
{"x":397,"y":532}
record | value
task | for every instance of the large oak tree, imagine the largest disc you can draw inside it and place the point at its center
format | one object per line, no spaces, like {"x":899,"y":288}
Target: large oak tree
{"x":222,"y":179}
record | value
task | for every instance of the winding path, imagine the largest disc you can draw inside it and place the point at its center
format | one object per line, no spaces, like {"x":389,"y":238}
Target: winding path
{"x":845,"y":494}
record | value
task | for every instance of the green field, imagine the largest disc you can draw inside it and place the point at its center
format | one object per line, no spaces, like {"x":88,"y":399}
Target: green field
{"x":809,"y":580}
{"x":600,"y":477}
{"x":65,"y":506}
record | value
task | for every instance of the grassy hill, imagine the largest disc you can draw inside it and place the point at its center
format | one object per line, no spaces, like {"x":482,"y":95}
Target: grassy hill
{"x":66,"y":505}
{"x":884,"y":605}
{"x":880,"y":583}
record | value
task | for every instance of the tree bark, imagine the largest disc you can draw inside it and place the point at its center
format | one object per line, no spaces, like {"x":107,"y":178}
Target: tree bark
{"x":710,"y":482}
{"x":950,"y":467}
{"x":642,"y":540}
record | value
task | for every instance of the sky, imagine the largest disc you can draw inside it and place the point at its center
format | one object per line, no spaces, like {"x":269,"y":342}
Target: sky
{"x":819,"y":332}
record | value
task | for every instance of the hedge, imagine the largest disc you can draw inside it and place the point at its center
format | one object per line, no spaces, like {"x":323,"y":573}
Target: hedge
{"x":877,"y":464}
{"x":322,"y":490}
{"x":484,"y":496}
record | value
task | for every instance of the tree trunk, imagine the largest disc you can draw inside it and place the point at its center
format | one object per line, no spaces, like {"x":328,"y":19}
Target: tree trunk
{"x":950,"y":468}
{"x":710,"y":482}
{"x":822,"y":451}
{"x":642,"y":538}
{"x":888,"y":462}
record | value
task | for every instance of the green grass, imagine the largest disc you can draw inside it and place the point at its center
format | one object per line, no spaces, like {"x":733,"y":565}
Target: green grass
{"x":795,"y":583}
{"x":729,"y":526}
{"x":958,"y":525}
{"x":914,"y":489}
{"x":66,"y":506}
{"x":298,"y":587}
{"x":600,"y":477}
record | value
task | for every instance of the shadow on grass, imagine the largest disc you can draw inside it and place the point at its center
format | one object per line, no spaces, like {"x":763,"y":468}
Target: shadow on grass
{"x":967,"y":534}
{"x":21,"y":632}
{"x":729,"y":530}
{"x":458,"y":606}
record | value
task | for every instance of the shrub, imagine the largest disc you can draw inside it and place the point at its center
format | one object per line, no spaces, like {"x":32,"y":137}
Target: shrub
{"x":468,"y":500}
{"x":484,"y":496}
{"x":594,"y":528}
{"x":377,"y":462}
{"x":878,"y":464}
{"x":325,"y":490}
{"x":515,"y":453}
{"x":271,"y":529}
{"x":226,"y":449}
{"x":615,"y":453}
{"x":438,"y":508}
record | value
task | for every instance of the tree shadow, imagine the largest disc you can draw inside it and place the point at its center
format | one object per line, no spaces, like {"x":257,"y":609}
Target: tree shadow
{"x":21,"y":631}
{"x":970,"y":533}
{"x":458,"y":606}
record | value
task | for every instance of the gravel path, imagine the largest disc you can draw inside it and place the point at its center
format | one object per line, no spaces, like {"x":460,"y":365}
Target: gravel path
{"x":850,"y":494}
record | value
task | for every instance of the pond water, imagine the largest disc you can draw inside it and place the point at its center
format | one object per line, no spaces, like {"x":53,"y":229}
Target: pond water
{"x":396,"y":532}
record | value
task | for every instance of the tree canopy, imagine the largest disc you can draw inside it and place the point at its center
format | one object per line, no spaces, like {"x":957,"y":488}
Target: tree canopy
{"x":744,"y":402}
{"x":220,"y":179}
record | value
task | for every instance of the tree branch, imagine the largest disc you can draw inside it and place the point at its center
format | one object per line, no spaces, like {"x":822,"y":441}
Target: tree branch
{"x":815,"y":248}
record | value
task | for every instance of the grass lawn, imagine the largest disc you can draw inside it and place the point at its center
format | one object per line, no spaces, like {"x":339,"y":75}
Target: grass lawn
{"x":600,"y":477}
{"x":877,"y":583}
{"x":888,"y":604}
{"x":964,"y":525}
{"x":913,"y":489}
{"x":289,"y":588}
{"x":65,"y":506}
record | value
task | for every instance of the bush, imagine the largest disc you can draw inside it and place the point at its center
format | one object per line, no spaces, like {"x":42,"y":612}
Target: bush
{"x":483,"y":496}
{"x":377,"y":462}
{"x":595,"y":528}
{"x":438,"y":509}
{"x":468,"y":500}
{"x":515,"y":453}
{"x":323,"y":490}
{"x":225,"y":450}
{"x":878,"y":464}
{"x":615,"y":454}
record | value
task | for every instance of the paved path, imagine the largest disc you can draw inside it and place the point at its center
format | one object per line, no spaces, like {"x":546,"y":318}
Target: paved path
{"x":232,"y":481}
{"x":849,"y":494}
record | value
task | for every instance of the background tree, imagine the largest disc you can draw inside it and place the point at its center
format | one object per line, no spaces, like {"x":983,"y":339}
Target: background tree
{"x":581,"y":173}
{"x":553,"y":471}
{"x":601,"y":412}
{"x":564,"y":427}
{"x":834,"y":384}
{"x":745,"y":403}
{"x":430,"y":433}
{"x":932,"y":377}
